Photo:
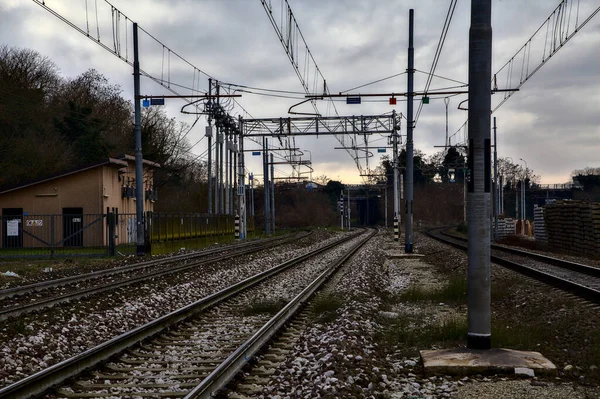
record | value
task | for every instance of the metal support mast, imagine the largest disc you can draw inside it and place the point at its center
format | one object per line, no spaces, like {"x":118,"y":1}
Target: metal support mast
{"x":408,"y":247}
{"x":496,"y":192}
{"x":396,"y":199}
{"x":266,"y":186}
{"x":227,"y":162}
{"x":241,"y":188}
{"x":348,"y":210}
{"x":139,"y":176}
{"x":209,"y":135}
{"x":478,"y":274}
{"x":272,"y":195}
{"x":217,"y":160}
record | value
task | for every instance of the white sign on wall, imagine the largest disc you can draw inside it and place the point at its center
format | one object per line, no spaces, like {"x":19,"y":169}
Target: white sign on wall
{"x":12,"y":227}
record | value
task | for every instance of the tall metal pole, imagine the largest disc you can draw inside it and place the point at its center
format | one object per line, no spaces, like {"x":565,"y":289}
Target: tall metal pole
{"x":221,"y":177}
{"x":209,"y":135}
{"x":496,"y":194}
{"x":272,"y":194}
{"x":341,"y":206}
{"x":266,"y":186}
{"x":386,"y":204}
{"x":348,"y":210}
{"x":464,"y":192}
{"x":395,"y":164}
{"x":139,"y":177}
{"x":523,"y":200}
{"x":408,"y":246}
{"x":217,"y":160}
{"x":478,"y":273}
{"x":252,"y":199}
{"x":241,"y":191}
{"x":502,"y":194}
{"x":234,"y":167}
{"x":227,"y":171}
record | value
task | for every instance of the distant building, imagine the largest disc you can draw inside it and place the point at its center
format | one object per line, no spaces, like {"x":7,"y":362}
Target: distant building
{"x":311,"y":185}
{"x":27,"y":209}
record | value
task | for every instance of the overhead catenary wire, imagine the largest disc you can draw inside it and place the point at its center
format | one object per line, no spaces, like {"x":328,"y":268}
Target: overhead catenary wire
{"x":437,"y":54}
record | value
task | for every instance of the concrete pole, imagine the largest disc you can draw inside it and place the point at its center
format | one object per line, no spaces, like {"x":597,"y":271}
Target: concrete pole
{"x":227,"y":165}
{"x":272,"y":195}
{"x":478,"y":272}
{"x":523,"y":196}
{"x":496,"y":196}
{"x":502,"y":194}
{"x":385,"y":205}
{"x":217,"y":160}
{"x":266,"y":186}
{"x":408,"y":246}
{"x":517,"y":200}
{"x":395,"y":165}
{"x":348,"y":210}
{"x":209,"y":135}
{"x":252,"y":199}
{"x":139,"y":176}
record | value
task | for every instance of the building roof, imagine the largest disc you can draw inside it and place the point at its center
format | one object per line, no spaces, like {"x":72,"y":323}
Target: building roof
{"x":144,"y":161}
{"x":109,"y":161}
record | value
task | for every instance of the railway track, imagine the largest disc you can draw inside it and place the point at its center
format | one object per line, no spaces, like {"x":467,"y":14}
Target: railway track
{"x":196,"y":350}
{"x":25,"y":299}
{"x":579,"y":279}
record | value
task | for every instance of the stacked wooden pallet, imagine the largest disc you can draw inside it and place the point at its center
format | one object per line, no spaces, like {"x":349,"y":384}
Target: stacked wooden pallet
{"x":573,"y":226}
{"x":539,"y":231}
{"x":506,"y":227}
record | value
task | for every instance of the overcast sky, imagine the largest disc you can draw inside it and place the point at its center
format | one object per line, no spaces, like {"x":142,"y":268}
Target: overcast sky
{"x":553,"y":123}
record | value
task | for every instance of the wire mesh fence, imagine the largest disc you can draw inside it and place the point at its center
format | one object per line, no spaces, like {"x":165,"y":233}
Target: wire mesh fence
{"x":77,"y":234}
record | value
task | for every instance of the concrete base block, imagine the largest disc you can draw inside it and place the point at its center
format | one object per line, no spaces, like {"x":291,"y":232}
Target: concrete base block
{"x":464,"y":361}
{"x":399,"y":254}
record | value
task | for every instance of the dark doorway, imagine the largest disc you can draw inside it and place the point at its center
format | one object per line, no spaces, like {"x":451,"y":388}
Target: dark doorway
{"x":12,"y":227}
{"x":73,"y":227}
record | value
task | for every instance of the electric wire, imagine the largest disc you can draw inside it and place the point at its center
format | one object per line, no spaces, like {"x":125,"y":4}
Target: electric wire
{"x":437,"y":55}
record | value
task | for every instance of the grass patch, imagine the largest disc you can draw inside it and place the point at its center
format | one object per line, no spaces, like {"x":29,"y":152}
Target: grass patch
{"x":324,"y":307}
{"x":32,"y":268}
{"x":264,"y":307}
{"x":411,"y":334}
{"x":16,"y":327}
{"x":453,"y":290}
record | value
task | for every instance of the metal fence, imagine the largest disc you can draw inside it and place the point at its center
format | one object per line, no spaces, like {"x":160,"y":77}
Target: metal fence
{"x":53,"y":235}
{"x":107,"y":234}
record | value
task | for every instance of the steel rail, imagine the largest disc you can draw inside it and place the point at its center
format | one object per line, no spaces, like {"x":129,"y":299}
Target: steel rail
{"x":43,"y":285}
{"x":56,"y":374}
{"x":565,"y":264}
{"x":226,"y":371}
{"x":560,"y":283}
{"x":18,"y":310}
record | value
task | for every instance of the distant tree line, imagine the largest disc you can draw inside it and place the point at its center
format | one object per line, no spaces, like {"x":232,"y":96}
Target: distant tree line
{"x":49,"y":124}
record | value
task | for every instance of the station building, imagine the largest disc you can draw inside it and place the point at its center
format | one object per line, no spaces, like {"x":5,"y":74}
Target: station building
{"x":69,"y":208}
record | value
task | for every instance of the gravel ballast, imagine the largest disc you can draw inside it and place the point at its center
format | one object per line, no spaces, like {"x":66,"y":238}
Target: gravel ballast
{"x":36,"y":341}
